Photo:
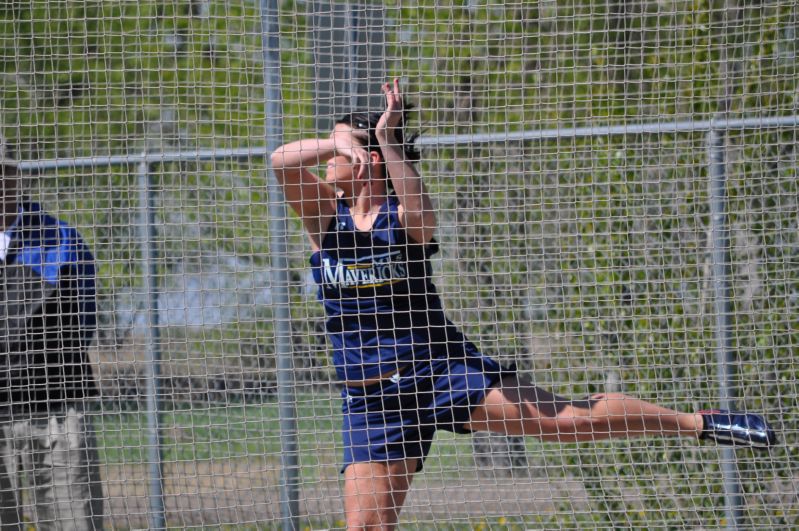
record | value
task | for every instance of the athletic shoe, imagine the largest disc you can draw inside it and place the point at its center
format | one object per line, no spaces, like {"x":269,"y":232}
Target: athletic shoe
{"x":737,"y":429}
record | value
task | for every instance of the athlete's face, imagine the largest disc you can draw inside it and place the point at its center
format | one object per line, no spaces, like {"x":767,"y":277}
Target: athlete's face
{"x":340,"y":172}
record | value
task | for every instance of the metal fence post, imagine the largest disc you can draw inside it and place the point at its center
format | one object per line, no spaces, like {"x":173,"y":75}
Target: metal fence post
{"x":152,"y":347}
{"x":289,"y":446}
{"x":725,"y":356}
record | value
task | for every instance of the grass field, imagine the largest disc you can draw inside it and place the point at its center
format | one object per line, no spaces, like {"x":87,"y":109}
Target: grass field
{"x":206,"y":432}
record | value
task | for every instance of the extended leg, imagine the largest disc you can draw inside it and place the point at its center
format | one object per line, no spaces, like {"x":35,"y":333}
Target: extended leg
{"x":518,"y":409}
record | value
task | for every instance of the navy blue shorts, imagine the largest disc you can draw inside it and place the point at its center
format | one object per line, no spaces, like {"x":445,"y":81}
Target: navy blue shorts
{"x":397,"y":418}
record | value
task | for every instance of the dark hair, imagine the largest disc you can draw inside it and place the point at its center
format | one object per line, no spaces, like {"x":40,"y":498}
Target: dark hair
{"x":367,"y":122}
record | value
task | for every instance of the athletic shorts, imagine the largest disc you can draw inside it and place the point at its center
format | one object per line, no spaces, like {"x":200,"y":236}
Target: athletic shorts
{"x":397,"y":417}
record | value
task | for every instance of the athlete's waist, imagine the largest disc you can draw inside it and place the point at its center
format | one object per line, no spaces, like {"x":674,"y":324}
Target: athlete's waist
{"x":381,"y":303}
{"x":389,"y":376}
{"x":382,"y":319}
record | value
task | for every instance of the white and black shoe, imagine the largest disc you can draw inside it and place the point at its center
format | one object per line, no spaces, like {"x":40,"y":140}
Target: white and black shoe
{"x":737,"y":429}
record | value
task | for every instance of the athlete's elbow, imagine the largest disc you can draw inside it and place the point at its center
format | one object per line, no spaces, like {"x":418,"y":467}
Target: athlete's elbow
{"x":429,"y":222}
{"x":423,"y":236}
{"x":421,"y":228}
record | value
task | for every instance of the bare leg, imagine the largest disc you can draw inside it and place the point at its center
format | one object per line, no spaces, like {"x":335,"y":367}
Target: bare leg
{"x":374,"y":493}
{"x":523,"y":409}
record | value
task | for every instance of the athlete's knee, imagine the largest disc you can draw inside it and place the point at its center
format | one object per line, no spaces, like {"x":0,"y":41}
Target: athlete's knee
{"x":593,"y":414}
{"x":564,"y":420}
{"x":583,"y":416}
{"x":575,"y":420}
{"x":374,"y":493}
{"x":370,"y":506}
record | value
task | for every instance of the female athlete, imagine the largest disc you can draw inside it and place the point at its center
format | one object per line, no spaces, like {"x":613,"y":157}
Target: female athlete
{"x":407,"y":371}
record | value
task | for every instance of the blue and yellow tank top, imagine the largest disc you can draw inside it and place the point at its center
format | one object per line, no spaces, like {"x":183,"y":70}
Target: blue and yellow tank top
{"x":381,"y":305}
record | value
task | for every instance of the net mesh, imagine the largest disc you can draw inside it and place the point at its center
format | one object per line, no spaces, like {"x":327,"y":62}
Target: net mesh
{"x":584,"y":259}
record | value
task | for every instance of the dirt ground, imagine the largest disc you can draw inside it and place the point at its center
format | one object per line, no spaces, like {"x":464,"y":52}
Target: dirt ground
{"x":245,"y":492}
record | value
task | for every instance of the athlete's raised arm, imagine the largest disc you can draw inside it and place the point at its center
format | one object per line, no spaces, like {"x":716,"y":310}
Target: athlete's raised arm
{"x":310,"y":197}
{"x":416,"y":210}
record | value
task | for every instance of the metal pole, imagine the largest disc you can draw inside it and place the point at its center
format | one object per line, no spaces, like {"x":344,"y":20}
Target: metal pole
{"x":654,"y":128}
{"x":725,"y":357}
{"x":289,"y":484}
{"x":254,"y":152}
{"x":152,"y":348}
{"x":354,"y":56}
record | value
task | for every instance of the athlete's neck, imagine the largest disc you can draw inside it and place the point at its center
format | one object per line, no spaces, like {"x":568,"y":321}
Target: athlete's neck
{"x":365,"y":207}
{"x":369,"y":199}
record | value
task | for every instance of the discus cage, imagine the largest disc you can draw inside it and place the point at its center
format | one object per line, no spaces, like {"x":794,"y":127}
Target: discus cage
{"x":617,"y":200}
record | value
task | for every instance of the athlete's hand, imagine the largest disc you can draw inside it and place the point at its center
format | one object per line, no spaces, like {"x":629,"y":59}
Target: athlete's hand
{"x":361,"y":163}
{"x":348,"y":145}
{"x":392,"y":117}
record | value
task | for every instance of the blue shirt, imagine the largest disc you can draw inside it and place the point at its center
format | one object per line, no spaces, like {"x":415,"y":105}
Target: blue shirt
{"x":381,"y":306}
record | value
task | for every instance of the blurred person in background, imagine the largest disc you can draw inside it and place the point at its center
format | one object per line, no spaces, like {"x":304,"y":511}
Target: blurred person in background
{"x":407,"y":371}
{"x":47,"y":322}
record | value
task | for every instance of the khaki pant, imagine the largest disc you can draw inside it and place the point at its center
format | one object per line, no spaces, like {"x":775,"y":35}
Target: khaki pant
{"x":53,"y":459}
